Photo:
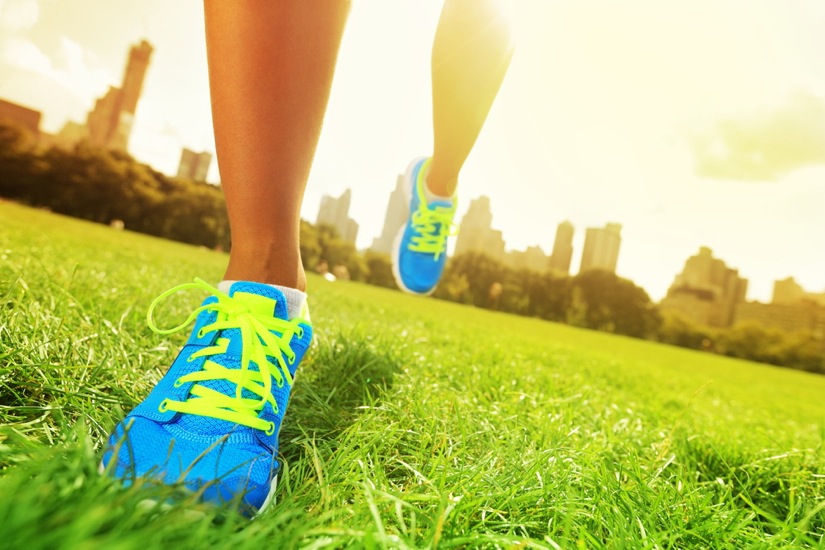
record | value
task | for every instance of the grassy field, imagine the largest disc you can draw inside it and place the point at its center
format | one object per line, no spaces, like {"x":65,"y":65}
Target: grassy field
{"x":415,"y":423}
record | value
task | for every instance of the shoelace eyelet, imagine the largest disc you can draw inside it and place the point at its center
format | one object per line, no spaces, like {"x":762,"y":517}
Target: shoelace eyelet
{"x":271,"y":429}
{"x":268,"y":334}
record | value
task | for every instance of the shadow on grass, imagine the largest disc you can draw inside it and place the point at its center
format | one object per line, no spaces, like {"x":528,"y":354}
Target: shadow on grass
{"x":343,"y":375}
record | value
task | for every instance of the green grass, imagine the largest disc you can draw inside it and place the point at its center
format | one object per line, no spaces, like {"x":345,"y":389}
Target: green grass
{"x":415,"y":423}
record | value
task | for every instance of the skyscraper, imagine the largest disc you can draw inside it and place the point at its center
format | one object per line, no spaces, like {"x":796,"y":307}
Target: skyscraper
{"x":477,"y":234}
{"x":110,"y":121}
{"x":562,"y":248}
{"x":397,"y":210}
{"x":134,"y":74}
{"x":194,"y":165}
{"x":706,"y":291}
{"x":335,"y":213}
{"x":601,"y":248}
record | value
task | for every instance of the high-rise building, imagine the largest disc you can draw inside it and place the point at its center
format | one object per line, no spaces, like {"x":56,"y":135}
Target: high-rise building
{"x":532,"y":258}
{"x":477,"y":234}
{"x":706,"y":291}
{"x":601,"y":248}
{"x":110,"y":122}
{"x":335,"y":213}
{"x":12,"y":113}
{"x":194,"y":166}
{"x":397,"y":212}
{"x":101,"y":121}
{"x":71,"y":133}
{"x":805,"y":317}
{"x":788,"y":291}
{"x":562,"y":249}
{"x":792,"y":309}
{"x":134,"y":75}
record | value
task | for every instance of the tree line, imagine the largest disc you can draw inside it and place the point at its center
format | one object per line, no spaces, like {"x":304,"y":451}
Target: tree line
{"x":105,"y":186}
{"x":598,"y":300}
{"x":108,"y":186}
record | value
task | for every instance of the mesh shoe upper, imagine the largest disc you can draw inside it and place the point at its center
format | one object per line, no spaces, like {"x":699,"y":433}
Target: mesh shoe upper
{"x":216,"y":374}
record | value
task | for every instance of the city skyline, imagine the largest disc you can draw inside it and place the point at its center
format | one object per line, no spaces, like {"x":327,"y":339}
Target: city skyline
{"x":591,"y":125}
{"x":706,"y":291}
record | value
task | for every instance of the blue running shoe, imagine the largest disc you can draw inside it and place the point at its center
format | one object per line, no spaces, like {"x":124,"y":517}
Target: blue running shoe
{"x":211,"y":424}
{"x":419,"y":252}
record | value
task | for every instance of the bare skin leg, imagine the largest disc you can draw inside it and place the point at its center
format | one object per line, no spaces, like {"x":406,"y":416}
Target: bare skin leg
{"x":471,"y":52}
{"x":270,"y":70}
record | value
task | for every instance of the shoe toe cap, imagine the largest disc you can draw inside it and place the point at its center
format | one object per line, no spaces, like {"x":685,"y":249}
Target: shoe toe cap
{"x":419,"y":272}
{"x":221,"y":470}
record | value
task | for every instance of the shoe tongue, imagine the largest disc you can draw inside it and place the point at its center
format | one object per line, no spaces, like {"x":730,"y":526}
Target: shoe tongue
{"x":264,"y":300}
{"x":267,"y":291}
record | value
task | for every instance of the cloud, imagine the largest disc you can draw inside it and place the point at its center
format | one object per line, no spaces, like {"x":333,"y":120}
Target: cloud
{"x":71,"y":67}
{"x":62,"y":85}
{"x":763,"y":146}
{"x":23,"y":53}
{"x":79,"y":70}
{"x":19,"y":15}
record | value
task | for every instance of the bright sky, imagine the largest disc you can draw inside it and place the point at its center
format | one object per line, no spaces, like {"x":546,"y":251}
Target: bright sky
{"x":690,"y":123}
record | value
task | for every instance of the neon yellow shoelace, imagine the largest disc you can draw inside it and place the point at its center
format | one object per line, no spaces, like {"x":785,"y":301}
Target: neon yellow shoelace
{"x":253,"y":316}
{"x":433,"y":227}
